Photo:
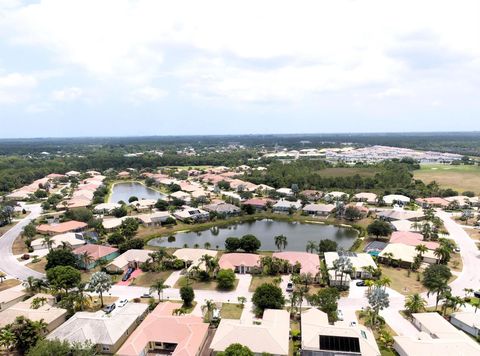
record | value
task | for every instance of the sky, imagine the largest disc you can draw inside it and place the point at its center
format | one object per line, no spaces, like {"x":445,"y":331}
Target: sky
{"x":150,"y":67}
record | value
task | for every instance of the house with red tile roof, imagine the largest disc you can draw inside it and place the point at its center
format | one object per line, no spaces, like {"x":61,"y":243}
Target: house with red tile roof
{"x":432,"y":202}
{"x":164,"y":333}
{"x":259,"y":204}
{"x":411,"y":239}
{"x":310,"y":262}
{"x":96,"y":252}
{"x":61,"y":228}
{"x":240,"y":262}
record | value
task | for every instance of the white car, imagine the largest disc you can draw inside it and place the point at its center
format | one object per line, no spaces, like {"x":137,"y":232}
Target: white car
{"x":339,"y":315}
{"x":122,"y":302}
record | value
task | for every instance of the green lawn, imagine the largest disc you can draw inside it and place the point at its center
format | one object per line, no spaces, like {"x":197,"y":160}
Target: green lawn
{"x":211,"y":285}
{"x":460,"y":178}
{"x":146,"y":279}
{"x":257,"y":281}
{"x":231,"y":311}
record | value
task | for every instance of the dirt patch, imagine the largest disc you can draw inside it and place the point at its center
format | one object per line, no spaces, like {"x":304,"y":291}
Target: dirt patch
{"x":9,"y":283}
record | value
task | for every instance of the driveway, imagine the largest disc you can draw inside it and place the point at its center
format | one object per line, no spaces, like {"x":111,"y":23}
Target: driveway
{"x":10,"y":265}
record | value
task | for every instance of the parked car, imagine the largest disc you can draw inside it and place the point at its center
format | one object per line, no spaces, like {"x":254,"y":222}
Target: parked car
{"x":146,"y":295}
{"x":353,"y":323}
{"x":457,"y":249}
{"x":476,"y":294}
{"x":339,"y":315}
{"x":216,"y":314}
{"x":289,"y":287}
{"x":360,"y":283}
{"x":109,"y":308}
{"x":127,"y":274}
{"x":122,"y":302}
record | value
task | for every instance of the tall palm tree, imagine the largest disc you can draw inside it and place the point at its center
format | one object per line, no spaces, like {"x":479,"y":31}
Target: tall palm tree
{"x":415,"y":304}
{"x":81,"y":298}
{"x":311,"y":246}
{"x":208,"y":309}
{"x":426,"y":231}
{"x":48,"y":242}
{"x":281,"y":242}
{"x":421,"y":249}
{"x":38,"y":302}
{"x":86,"y":259}
{"x":29,"y":284}
{"x":417,"y":226}
{"x":389,"y":256}
{"x":158,"y":286}
{"x":65,"y":245}
{"x":384,"y":282}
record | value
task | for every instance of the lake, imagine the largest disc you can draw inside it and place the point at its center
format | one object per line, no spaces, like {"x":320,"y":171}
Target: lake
{"x":123,"y":191}
{"x":298,"y":234}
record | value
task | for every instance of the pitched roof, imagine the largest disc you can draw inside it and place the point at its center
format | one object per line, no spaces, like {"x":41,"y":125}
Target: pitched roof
{"x":270,"y":336}
{"x":187,"y":331}
{"x":95,"y":251}
{"x":412,"y":239}
{"x":98,"y":327}
{"x":61,"y":227}
{"x":231,"y":260}
{"x":310,"y":262}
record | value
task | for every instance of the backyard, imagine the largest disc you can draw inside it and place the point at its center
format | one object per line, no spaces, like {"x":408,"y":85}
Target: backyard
{"x":231,"y":311}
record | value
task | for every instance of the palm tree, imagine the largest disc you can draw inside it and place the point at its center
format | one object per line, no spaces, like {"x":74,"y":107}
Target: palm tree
{"x":311,"y":246}
{"x":421,"y":249}
{"x":208,"y":309}
{"x":415,"y":304}
{"x":3,"y":276}
{"x":7,"y":339}
{"x":426,"y":231}
{"x":475,"y":303}
{"x":86,"y":259}
{"x":384,"y":282}
{"x":468,"y":291}
{"x":281,"y":242}
{"x":65,"y":245}
{"x":48,"y":242}
{"x":369,"y":283}
{"x":417,"y":226}
{"x":158,"y":287}
{"x":443,"y":254}
{"x":207,"y":245}
{"x":38,"y":302}
{"x":389,"y":256}
{"x":29,"y":284}
{"x":81,"y":298}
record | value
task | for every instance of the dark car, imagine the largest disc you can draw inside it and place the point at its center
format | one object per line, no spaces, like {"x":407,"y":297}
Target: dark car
{"x":476,"y":294}
{"x":109,"y":308}
{"x":360,"y":284}
{"x":127,"y":274}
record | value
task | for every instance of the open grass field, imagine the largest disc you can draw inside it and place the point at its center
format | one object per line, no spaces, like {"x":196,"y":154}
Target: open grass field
{"x":38,"y":266}
{"x":460,"y":178}
{"x":257,"y":281}
{"x":231,"y":311}
{"x":348,"y":171}
{"x":211,"y":285}
{"x":401,"y":282}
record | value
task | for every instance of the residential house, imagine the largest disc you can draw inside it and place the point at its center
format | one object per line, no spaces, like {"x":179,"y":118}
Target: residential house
{"x":412,"y":239}
{"x":70,"y":239}
{"x":361,"y":263}
{"x":105,"y":208}
{"x":284,"y":206}
{"x":130,"y":258}
{"x":240,"y":262}
{"x":189,"y":213}
{"x":186,"y":197}
{"x":404,"y":255}
{"x":113,"y":223}
{"x":10,"y":297}
{"x":392,"y":199}
{"x":464,"y":201}
{"x":319,"y":338}
{"x":167,"y":334}
{"x":192,"y":256}
{"x":370,"y":198}
{"x":223,"y":209}
{"x":400,"y":214}
{"x":107,"y":332}
{"x":270,"y":336}
{"x":312,"y":195}
{"x":143,"y":204}
{"x":467,"y":321}
{"x":436,"y":337}
{"x":61,"y":228}
{"x":96,"y":253}
{"x":434,"y":202}
{"x":309,"y":262}
{"x":335,"y":196}
{"x":52,"y":315}
{"x":258,"y":203}
{"x":285,"y":191}
{"x":154,"y":219}
{"x":319,"y":209}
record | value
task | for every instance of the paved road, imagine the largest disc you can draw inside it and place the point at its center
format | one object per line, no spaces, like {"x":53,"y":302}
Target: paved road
{"x":9,"y":264}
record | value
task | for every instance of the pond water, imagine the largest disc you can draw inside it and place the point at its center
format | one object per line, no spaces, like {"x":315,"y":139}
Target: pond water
{"x":297,"y":234}
{"x":123,"y":191}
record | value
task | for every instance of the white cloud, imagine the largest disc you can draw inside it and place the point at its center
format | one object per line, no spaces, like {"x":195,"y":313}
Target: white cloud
{"x":67,"y":94}
{"x":213,"y":47}
{"x":148,"y":94}
{"x":16,"y":87}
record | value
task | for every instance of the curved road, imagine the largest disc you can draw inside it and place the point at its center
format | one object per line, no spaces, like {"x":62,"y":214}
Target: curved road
{"x":9,"y":263}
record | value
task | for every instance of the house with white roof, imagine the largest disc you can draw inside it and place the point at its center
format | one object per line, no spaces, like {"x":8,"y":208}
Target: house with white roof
{"x":467,"y":321}
{"x":285,"y":191}
{"x":436,"y":337}
{"x":318,"y":209}
{"x":284,"y":206}
{"x":107,"y":332}
{"x":321,"y":338}
{"x":404,"y":255}
{"x":360,"y":262}
{"x":189,"y":213}
{"x":130,"y":258}
{"x":70,"y":238}
{"x":395,"y":198}
{"x":370,"y":198}
{"x":270,"y":336}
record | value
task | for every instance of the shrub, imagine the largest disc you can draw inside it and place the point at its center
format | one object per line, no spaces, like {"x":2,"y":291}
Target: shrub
{"x":225,"y":279}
